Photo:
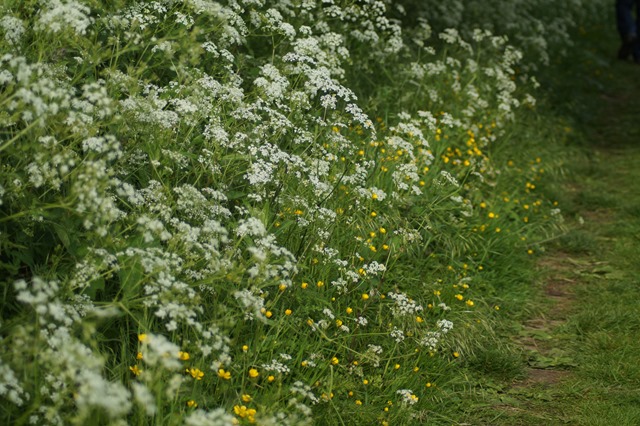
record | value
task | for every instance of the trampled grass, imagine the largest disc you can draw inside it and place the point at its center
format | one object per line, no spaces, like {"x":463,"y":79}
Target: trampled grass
{"x":594,"y":316}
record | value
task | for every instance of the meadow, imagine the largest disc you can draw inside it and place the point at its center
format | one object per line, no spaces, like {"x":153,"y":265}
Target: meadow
{"x":280,"y":212}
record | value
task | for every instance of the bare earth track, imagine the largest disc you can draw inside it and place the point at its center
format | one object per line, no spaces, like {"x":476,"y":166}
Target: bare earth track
{"x":583,"y":346}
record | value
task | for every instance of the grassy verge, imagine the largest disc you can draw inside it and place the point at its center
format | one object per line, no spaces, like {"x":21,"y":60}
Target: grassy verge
{"x":580,"y":339}
{"x":271,"y":212}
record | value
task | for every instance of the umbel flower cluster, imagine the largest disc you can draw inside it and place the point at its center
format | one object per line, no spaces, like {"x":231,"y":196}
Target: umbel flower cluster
{"x":250,"y":211}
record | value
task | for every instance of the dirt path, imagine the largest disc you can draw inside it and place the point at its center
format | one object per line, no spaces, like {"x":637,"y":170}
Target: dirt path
{"x":583,"y":348}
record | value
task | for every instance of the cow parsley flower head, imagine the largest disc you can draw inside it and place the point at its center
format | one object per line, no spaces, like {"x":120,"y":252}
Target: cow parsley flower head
{"x":444,"y":325}
{"x":217,"y":417}
{"x":58,"y":15}
{"x":397,"y":334}
{"x":160,"y":351}
{"x":96,"y":391}
{"x":404,"y":305}
{"x":10,"y":387}
{"x":144,"y":398}
{"x":407,"y":396}
{"x":299,"y":388}
{"x":13,"y":29}
{"x":252,"y":227}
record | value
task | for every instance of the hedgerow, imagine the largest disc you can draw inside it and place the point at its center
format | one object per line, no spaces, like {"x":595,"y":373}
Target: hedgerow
{"x":261,"y":212}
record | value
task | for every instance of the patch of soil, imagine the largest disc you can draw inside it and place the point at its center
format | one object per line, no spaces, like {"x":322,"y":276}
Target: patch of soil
{"x":558,"y":260}
{"x":537,"y":336}
{"x":559,"y":287}
{"x":542,"y":324}
{"x":542,"y":377}
{"x":560,"y":290}
{"x":596,"y":216}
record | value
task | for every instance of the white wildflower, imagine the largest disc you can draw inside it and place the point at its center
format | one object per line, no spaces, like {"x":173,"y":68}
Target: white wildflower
{"x":299,"y":388}
{"x":407,"y":395}
{"x":159,"y":350}
{"x":444,"y":325}
{"x":57,"y":15}
{"x":144,"y":398}
{"x":252,"y":227}
{"x":217,"y":417}
{"x":13,"y":29}
{"x":10,"y":387}
{"x":276,"y":366}
{"x":361,"y":321}
{"x":403,"y":304}
{"x":96,"y":391}
{"x":397,"y":334}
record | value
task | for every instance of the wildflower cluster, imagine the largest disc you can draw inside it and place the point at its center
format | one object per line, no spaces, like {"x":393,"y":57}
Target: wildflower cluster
{"x":206,"y":211}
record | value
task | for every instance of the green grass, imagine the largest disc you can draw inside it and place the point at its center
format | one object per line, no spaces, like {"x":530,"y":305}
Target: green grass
{"x":237,"y":243}
{"x":599,"y":325}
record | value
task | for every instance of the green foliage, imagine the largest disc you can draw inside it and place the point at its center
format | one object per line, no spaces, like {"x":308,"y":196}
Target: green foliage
{"x":587,"y":357}
{"x":217,"y":212}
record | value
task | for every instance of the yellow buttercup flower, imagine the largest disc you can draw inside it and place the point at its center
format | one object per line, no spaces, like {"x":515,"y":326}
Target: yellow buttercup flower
{"x":244,"y":412}
{"x":195,"y":373}
{"x":226,"y":375}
